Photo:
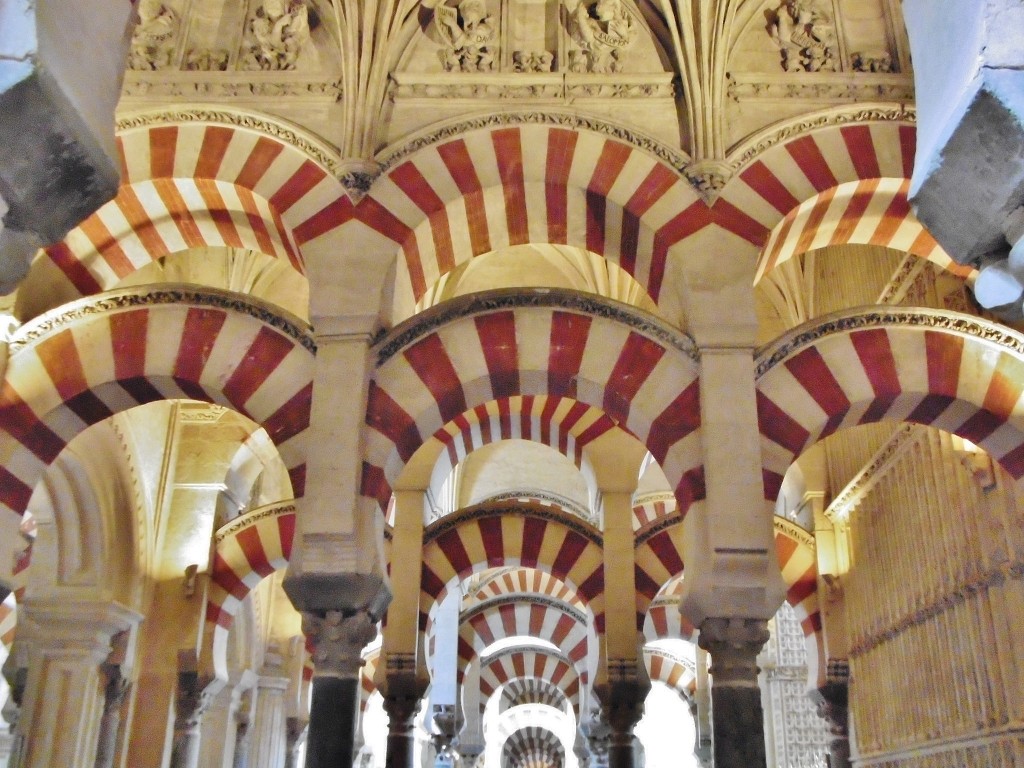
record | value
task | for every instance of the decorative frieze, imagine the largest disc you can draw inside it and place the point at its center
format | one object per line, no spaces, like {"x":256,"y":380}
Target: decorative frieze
{"x":877,"y":86}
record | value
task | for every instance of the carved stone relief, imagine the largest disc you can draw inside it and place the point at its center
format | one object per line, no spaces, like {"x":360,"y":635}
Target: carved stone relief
{"x":604,"y":31}
{"x":470,"y":37}
{"x":805,"y":35}
{"x":153,"y":41}
{"x":275,"y":35}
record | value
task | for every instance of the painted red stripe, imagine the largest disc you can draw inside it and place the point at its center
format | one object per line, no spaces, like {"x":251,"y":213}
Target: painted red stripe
{"x":595,"y":430}
{"x":547,"y":422}
{"x":596,"y":209}
{"x":677,"y":421}
{"x":256,"y":222}
{"x":332,"y":216}
{"x":861,"y":147}
{"x":561,"y":151}
{"x":1005,"y":387}
{"x":814,"y":219}
{"x":507,"y":616}
{"x":592,"y":588}
{"x":766,"y":184}
{"x":18,"y":419}
{"x":875,"y":353}
{"x":142,"y":225}
{"x":893,"y":218}
{"x":655,"y":185}
{"x":59,"y":356}
{"x":732,"y":219}
{"x":260,"y":360}
{"x":202,"y":327}
{"x":373,"y":484}
{"x":451,"y":545}
{"x":252,"y":547}
{"x":772,"y":482}
{"x":637,"y":359}
{"x":463,"y":171}
{"x":573,"y":546}
{"x":430,"y":361}
{"x":497,"y":334}
{"x":534,"y":531}
{"x":174,"y":202}
{"x":291,"y":418}
{"x":122,"y":161}
{"x":908,"y":148}
{"x":298,"y":185}
{"x":779,"y":426}
{"x":629,"y":242}
{"x":686,"y":223}
{"x":286,"y":531}
{"x":128,"y":342}
{"x":493,"y":540}
{"x":287,"y":239}
{"x":807,"y":154}
{"x":569,"y":334}
{"x":408,"y":178}
{"x":817,"y":379}
{"x":219,"y":212}
{"x":103,"y":241}
{"x":385,"y":415}
{"x":784,"y":548}
{"x":216,"y":139}
{"x":803,"y":587}
{"x":609,"y":166}
{"x":163,"y":144}
{"x":14,"y":494}
{"x":780,"y":241}
{"x":258,"y":162}
{"x":944,"y":354}
{"x":225,"y":577}
{"x":75,"y":271}
{"x":665,"y":550}
{"x":855,"y":210}
{"x":508,"y":153}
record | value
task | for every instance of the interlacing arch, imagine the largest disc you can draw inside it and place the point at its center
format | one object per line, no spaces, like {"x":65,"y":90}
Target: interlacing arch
{"x":199,"y":178}
{"x":501,"y":344}
{"x":524,"y":534}
{"x":938,"y":368}
{"x":541,"y":663}
{"x":90,"y":359}
{"x":521,"y":615}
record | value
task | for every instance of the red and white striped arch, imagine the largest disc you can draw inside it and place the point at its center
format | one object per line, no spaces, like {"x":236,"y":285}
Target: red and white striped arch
{"x":533,"y":746}
{"x":798,"y":562}
{"x":675,"y":671}
{"x":664,"y":620}
{"x":525,"y":617}
{"x":202,"y":183}
{"x":541,"y":663}
{"x":869,"y":212}
{"x":779,"y":179}
{"x":74,"y":367}
{"x":652,"y":509}
{"x":942,"y":369}
{"x":514,"y":581}
{"x":561,"y":423}
{"x":531,"y":690}
{"x":247,"y":550}
{"x":527,"y":535}
{"x":658,"y":558}
{"x":497,"y":345}
{"x":496,"y":187}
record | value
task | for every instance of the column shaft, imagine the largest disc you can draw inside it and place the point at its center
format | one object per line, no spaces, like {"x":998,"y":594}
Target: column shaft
{"x":269,"y":737}
{"x":332,"y":722}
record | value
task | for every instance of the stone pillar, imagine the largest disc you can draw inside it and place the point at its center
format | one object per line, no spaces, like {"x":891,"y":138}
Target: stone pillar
{"x":269,"y":735}
{"x":702,"y":709}
{"x":736,"y":710}
{"x":338,"y":641}
{"x":115,"y":691}
{"x":833,"y":706}
{"x":296,"y":730}
{"x":622,"y":706}
{"x":194,"y":694}
{"x":217,"y":745}
{"x":403,"y":695}
{"x":243,"y":730}
{"x":62,"y":707}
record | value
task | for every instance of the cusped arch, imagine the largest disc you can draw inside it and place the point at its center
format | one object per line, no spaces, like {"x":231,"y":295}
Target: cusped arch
{"x":561,"y":344}
{"x":462,"y":197}
{"x":938,"y":368}
{"x":76,"y":366}
{"x":194,"y":178}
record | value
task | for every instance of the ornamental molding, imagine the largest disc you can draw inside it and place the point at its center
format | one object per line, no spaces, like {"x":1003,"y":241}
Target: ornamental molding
{"x":320,"y":152}
{"x":843,"y":505}
{"x":522,"y":509}
{"x":821,"y":86}
{"x":560,"y":502}
{"x":519,"y":598}
{"x":169,"y":294}
{"x":252,"y":517}
{"x":674,"y":158}
{"x":436,"y":317}
{"x":565,"y":87}
{"x":795,"y":531}
{"x":217,"y":85}
{"x":660,"y":524}
{"x":877,"y":112}
{"x":848,"y":321}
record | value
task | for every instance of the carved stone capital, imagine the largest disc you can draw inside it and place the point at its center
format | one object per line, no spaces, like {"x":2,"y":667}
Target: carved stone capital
{"x":357,"y":176}
{"x":403,"y":695}
{"x":733,"y":644}
{"x":338,"y":641}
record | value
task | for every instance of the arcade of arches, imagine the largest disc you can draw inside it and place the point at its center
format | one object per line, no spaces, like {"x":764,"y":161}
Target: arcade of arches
{"x":446,"y":381}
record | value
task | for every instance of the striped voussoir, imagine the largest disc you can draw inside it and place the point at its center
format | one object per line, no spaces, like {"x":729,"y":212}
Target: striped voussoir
{"x":531,"y":690}
{"x":868,"y":212}
{"x":533,"y":746}
{"x":555,"y":344}
{"x":676,"y":671}
{"x":201,"y":184}
{"x":664,"y":620}
{"x":512,"y":581}
{"x":247,"y":550}
{"x":942,"y":369}
{"x":493,"y":188}
{"x":796,"y":550}
{"x":524,"y":616}
{"x":525,"y":663}
{"x":528,"y":535}
{"x":658,"y":558}
{"x":76,"y":366}
{"x":651,"y":508}
{"x":560,"y":423}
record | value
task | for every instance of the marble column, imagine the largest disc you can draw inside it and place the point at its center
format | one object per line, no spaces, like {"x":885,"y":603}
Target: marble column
{"x":833,"y":706}
{"x":597,"y":732}
{"x":297,"y":728}
{"x":622,"y":706}
{"x":269,"y":735}
{"x":701,"y":708}
{"x":62,"y":707}
{"x":243,"y":730}
{"x":403,"y":695}
{"x":338,"y":641}
{"x":193,"y":696}
{"x":115,"y":691}
{"x":736,"y":711}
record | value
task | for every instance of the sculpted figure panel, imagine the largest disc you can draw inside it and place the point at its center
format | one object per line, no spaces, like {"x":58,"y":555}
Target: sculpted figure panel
{"x":276,"y":35}
{"x":153,"y":41}
{"x":603,"y":30}
{"x":805,"y":35}
{"x":470,"y":36}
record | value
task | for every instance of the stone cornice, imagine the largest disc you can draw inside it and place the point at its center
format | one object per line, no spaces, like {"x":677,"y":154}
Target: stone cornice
{"x":430,"y":320}
{"x":803,"y":336}
{"x":167,"y":294}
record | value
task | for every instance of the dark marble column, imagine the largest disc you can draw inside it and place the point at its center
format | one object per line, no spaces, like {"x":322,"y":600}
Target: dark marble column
{"x":622,"y":706}
{"x":833,"y":706}
{"x":403,"y":694}
{"x":736,"y":712}
{"x":338,"y":641}
{"x":110,"y":725}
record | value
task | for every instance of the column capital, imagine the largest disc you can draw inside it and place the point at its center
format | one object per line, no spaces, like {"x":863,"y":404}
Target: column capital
{"x":69,"y":628}
{"x":734,"y":644}
{"x":338,"y":641}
